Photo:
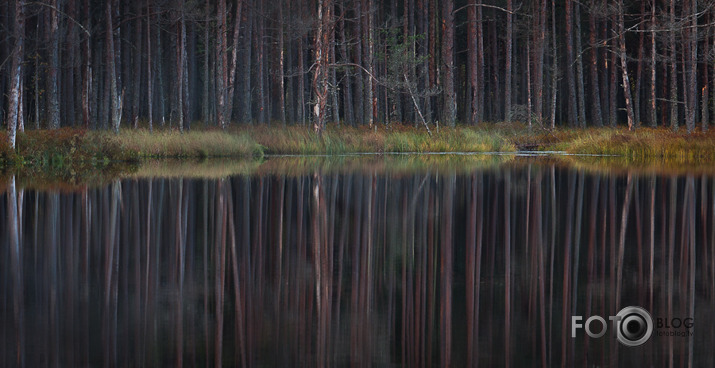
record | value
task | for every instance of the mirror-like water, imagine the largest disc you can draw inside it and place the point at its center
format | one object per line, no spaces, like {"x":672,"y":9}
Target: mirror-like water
{"x":362,"y":267}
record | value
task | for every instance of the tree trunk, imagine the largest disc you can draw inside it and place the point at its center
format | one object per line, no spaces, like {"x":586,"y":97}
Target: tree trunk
{"x":639,"y":70}
{"x":234,"y":63}
{"x":222,"y":66}
{"x":539,"y":43}
{"x":16,"y":76}
{"x":205,"y":103}
{"x":137,"y":67}
{"x":507,"y":62}
{"x":554,"y":67}
{"x":691,"y":41}
{"x":705,"y":104}
{"x":579,"y":69}
{"x":322,"y":62}
{"x":595,"y":90}
{"x":281,"y":62}
{"x":450,"y":99}
{"x":472,"y":60}
{"x":149,"y":75}
{"x":359,"y":76}
{"x":673,"y":71}
{"x":54,"y":61}
{"x":87,"y":67}
{"x":613,"y":76}
{"x":347,"y":85}
{"x":247,"y":50}
{"x":570,"y":77}
{"x":480,"y":64}
{"x":368,"y":28}
{"x":182,"y":79}
{"x":653,"y":113}
{"x":624,"y":67}
{"x":114,"y":99}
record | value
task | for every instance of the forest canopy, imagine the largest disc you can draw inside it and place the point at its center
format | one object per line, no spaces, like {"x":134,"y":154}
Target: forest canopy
{"x":111,"y":64}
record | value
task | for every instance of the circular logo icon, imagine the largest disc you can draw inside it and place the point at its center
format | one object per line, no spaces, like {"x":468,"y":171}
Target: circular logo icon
{"x":634,"y":326}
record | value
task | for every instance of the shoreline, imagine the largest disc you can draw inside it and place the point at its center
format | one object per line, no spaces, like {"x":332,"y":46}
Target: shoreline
{"x":77,"y":150}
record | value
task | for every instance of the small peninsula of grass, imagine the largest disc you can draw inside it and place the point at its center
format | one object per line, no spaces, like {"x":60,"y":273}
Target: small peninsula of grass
{"x":77,"y":150}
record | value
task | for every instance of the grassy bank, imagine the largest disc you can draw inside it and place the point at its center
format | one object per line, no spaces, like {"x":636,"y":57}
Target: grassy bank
{"x":77,"y":150}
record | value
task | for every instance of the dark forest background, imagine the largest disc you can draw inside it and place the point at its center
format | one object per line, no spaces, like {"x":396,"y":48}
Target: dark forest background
{"x":106,"y":64}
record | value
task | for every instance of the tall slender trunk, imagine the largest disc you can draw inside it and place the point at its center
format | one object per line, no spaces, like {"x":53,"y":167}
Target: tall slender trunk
{"x":281,"y":62}
{"x":580,"y":90}
{"x":539,"y":44}
{"x":480,"y":64}
{"x":347,"y":85}
{"x":691,"y":41}
{"x":593,"y":68}
{"x":639,"y":69}
{"x":114,"y":99}
{"x":450,"y":98}
{"x":335,"y":105}
{"x":673,"y":71}
{"x":624,"y":67}
{"x":507,"y":62}
{"x":16,"y":76}
{"x":149,"y":75}
{"x":205,"y":98}
{"x":87,"y":67}
{"x":247,"y":51}
{"x":705,"y":102}
{"x":653,"y":113}
{"x":180,"y":64}
{"x":613,"y":77}
{"x":54,"y":64}
{"x":368,"y":28}
{"x":137,"y":66}
{"x":222,"y":66}
{"x":160,"y":73}
{"x":234,"y":63}
{"x":359,"y":76}
{"x":472,"y":59}
{"x":570,"y":77}
{"x":260,"y":45}
{"x":322,"y":61}
{"x":554,"y":66}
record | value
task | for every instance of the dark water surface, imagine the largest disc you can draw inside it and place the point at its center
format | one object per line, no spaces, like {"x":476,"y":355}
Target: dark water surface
{"x":361,"y":267}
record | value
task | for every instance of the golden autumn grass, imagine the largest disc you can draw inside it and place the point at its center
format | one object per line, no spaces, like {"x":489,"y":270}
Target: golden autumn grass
{"x":78,"y":150}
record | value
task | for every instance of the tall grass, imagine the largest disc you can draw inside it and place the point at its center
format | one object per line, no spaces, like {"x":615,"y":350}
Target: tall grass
{"x":173,"y":144}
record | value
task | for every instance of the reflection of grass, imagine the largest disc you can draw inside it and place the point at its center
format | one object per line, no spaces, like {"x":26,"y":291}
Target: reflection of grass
{"x":303,"y":165}
{"x":210,"y":168}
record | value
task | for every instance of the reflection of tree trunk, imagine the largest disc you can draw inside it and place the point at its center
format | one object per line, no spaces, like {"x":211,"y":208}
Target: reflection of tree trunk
{"x":622,"y":239}
{"x":474,"y":253}
{"x":446,"y":274}
{"x":221,"y":219}
{"x":507,"y":268}
{"x":566,"y":301}
{"x":16,"y":269}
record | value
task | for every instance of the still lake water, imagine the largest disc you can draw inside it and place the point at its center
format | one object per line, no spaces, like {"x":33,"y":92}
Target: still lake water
{"x":295,"y":264}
